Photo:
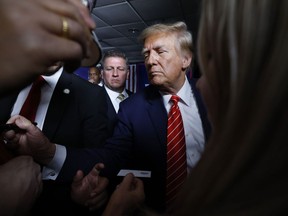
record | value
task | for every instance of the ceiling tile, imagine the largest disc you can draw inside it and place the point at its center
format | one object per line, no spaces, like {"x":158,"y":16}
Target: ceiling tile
{"x":115,"y":19}
{"x":116,"y":14}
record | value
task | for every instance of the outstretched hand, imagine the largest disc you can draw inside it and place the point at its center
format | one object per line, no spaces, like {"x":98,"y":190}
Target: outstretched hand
{"x":90,"y":190}
{"x":128,"y":196}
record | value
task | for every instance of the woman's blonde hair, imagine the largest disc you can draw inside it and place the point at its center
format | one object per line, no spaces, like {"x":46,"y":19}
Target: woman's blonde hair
{"x":243,"y":170}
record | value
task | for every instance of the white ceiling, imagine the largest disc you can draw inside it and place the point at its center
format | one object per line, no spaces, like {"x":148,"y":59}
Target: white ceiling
{"x":116,"y":19}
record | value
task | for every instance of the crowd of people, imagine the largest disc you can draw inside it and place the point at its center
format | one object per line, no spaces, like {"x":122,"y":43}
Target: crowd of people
{"x":237,"y":168}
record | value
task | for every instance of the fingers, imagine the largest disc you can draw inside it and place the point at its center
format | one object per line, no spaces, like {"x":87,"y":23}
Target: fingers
{"x":73,"y":9}
{"x":19,"y":121}
{"x":39,"y":180}
{"x":93,"y":176}
{"x":72,"y":44}
{"x":78,"y":19}
{"x":138,"y":183}
{"x":101,"y":185}
{"x":127,"y":181}
{"x":84,"y":12}
{"x":76,"y":44}
{"x":78,"y":178}
{"x":96,"y":169}
{"x":97,"y":201}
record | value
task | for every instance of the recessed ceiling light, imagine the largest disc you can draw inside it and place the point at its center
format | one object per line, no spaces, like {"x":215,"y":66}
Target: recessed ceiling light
{"x":133,"y":30}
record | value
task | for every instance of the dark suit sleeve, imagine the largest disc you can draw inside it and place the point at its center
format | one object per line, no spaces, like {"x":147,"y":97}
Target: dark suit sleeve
{"x":114,"y":154}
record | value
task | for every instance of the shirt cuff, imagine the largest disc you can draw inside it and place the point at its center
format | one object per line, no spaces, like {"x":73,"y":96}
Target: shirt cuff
{"x":52,"y":170}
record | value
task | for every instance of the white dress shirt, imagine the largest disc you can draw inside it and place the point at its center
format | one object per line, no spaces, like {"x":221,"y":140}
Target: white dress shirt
{"x":113,"y":97}
{"x":52,"y":170}
{"x":194,"y":135}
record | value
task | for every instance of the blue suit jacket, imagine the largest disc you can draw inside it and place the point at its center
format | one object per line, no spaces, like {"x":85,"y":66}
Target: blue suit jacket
{"x":138,"y":142}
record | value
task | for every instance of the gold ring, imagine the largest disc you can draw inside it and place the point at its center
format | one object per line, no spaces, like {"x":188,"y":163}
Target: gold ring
{"x":65,"y":27}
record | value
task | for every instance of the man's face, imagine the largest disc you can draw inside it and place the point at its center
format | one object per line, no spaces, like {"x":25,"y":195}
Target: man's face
{"x":94,"y":75}
{"x":115,"y":73}
{"x":164,"y":61}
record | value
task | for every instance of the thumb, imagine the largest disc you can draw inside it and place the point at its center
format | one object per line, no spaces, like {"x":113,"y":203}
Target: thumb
{"x":19,"y":120}
{"x":127,"y":182}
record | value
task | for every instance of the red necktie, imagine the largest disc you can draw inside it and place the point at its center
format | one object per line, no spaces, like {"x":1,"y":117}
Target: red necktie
{"x":28,"y":110}
{"x":30,"y":106}
{"x":176,"y":152}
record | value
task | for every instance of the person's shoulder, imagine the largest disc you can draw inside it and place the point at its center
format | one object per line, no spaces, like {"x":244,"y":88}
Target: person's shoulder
{"x":82,"y":85}
{"x":143,"y":94}
{"x":129,"y":92}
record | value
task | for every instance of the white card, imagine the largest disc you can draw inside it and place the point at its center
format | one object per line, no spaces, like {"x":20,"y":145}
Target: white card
{"x":136,"y":173}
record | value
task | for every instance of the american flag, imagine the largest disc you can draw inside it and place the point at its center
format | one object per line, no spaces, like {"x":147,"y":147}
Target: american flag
{"x":131,"y":83}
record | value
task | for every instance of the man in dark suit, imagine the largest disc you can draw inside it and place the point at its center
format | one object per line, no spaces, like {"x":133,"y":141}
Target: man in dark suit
{"x":140,"y":136}
{"x":66,"y":116}
{"x":115,"y":72}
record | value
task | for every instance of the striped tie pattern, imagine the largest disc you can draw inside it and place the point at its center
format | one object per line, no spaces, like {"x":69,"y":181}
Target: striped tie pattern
{"x":176,"y":152}
{"x":121,"y":97}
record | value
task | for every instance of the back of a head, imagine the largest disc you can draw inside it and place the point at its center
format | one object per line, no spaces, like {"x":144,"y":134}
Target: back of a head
{"x":243,"y":169}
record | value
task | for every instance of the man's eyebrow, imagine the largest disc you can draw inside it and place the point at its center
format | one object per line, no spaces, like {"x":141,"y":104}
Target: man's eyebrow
{"x":145,"y":50}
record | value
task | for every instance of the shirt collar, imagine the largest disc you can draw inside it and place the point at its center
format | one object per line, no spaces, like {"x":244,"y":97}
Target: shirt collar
{"x":113,"y":94}
{"x":184,"y":94}
{"x":53,"y":79}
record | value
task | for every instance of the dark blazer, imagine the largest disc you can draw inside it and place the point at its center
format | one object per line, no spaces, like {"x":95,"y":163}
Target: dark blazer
{"x":75,"y":119}
{"x":138,"y":142}
{"x":111,"y":112}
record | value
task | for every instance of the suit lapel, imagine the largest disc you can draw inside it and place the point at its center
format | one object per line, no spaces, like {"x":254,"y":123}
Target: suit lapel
{"x":158,"y":114}
{"x":58,"y":104}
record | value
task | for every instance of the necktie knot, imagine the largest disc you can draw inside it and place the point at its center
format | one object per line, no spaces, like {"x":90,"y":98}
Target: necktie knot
{"x":121,"y":97}
{"x":39,"y":82}
{"x":175,"y":99}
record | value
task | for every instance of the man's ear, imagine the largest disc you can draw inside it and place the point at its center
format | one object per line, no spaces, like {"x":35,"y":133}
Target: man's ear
{"x":127,"y":75}
{"x":186,"y":61}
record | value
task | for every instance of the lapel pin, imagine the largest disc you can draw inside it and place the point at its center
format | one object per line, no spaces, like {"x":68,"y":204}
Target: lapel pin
{"x":66,"y":91}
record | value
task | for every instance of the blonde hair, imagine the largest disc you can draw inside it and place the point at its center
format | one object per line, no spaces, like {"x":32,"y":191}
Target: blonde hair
{"x":179,"y":29}
{"x":244,"y":168}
